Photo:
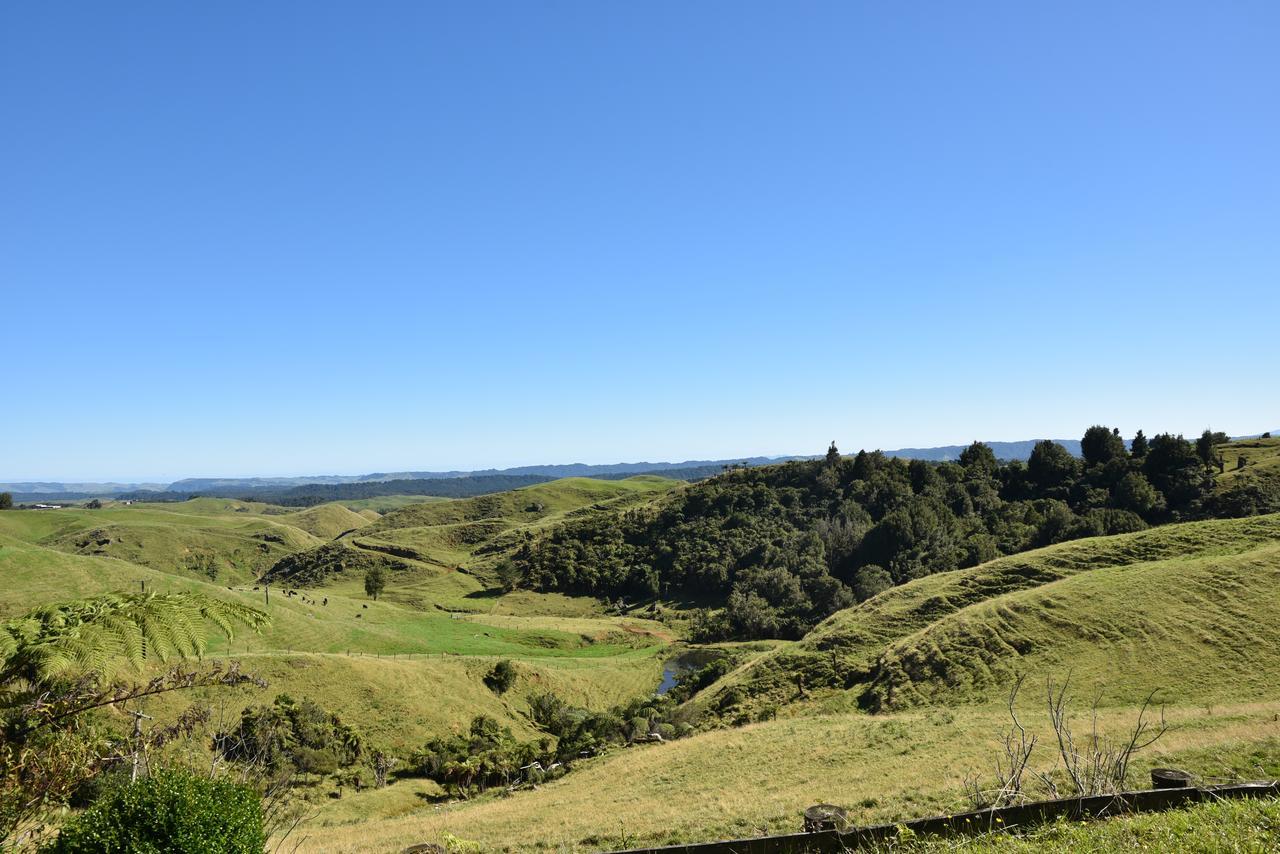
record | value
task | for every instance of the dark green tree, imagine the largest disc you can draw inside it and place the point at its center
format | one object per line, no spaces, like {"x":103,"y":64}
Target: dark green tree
{"x":502,"y":677}
{"x":375,"y":580}
{"x":1138,"y":449}
{"x":6,"y":500}
{"x":1177,"y":471}
{"x":1206,"y":446}
{"x":1100,"y":445}
{"x":1051,"y":466}
{"x":870,"y":580}
{"x":979,"y":457}
{"x":509,"y":575}
{"x":833,"y":454}
{"x":1136,"y":494}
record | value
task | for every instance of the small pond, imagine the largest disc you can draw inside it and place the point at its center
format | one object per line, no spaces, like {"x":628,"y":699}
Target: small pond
{"x":686,"y":662}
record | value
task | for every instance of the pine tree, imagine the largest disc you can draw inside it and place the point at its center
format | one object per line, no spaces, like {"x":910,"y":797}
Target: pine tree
{"x":1139,"y":447}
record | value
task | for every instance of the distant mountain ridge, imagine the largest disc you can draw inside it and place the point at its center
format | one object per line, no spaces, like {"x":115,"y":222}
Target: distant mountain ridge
{"x":1002,"y":450}
{"x":686,"y":470}
{"x":197,"y":484}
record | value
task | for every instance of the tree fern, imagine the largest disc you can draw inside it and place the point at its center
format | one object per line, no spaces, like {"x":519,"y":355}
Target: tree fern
{"x":92,"y":636}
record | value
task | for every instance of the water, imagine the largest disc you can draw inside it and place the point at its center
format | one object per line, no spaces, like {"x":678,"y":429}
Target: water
{"x":686,"y":662}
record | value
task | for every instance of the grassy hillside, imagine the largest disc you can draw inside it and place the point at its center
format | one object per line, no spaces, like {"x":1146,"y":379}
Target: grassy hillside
{"x":398,"y":672}
{"x":1261,"y":457}
{"x":326,"y":521}
{"x":759,"y":778}
{"x":884,"y":707}
{"x":205,"y":538}
{"x":1227,"y":825}
{"x":429,"y":538}
{"x":975,"y":606}
{"x":544,"y":503}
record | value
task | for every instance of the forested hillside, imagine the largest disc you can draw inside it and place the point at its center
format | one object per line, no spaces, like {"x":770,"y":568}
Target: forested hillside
{"x":773,"y":550}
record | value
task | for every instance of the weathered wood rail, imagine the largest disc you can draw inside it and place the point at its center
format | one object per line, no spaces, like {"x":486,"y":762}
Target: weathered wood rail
{"x":979,"y":821}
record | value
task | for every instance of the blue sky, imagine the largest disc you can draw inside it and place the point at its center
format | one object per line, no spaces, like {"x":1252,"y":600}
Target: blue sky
{"x":290,"y":238}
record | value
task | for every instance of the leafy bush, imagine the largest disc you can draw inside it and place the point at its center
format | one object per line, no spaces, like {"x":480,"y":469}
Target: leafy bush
{"x":502,"y":677}
{"x":170,"y":811}
{"x":291,"y":735}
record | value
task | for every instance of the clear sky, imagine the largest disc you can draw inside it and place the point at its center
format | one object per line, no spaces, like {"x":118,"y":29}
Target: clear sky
{"x":243,"y":238}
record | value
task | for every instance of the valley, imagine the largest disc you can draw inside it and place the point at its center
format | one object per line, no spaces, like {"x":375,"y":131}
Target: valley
{"x":886,"y":702}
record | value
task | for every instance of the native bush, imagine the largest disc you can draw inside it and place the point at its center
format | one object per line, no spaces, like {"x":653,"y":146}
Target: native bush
{"x":771,"y":551}
{"x":291,"y":735}
{"x":173,"y":810}
{"x":502,"y":677}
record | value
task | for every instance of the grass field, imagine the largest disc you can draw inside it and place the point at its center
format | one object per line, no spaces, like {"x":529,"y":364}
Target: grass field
{"x":759,"y":778}
{"x":400,"y":668}
{"x":454,"y":533}
{"x":1206,"y":592}
{"x":898,"y":701}
{"x":440,"y":553}
{"x":1261,"y":456}
{"x":1228,"y":825}
{"x":235,"y":541}
{"x":1206,"y":632}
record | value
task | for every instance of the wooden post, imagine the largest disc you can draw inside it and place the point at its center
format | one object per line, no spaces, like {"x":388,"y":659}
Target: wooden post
{"x":137,"y":744}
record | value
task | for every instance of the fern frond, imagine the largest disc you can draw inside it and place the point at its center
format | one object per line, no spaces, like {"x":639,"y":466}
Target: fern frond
{"x":90,"y":636}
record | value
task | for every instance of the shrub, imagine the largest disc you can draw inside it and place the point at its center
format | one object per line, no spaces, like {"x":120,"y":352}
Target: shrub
{"x":502,"y":677}
{"x":169,"y":811}
{"x":289,"y":735}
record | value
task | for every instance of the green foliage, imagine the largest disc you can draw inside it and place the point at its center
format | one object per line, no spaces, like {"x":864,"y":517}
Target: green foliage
{"x":6,"y":501}
{"x":169,"y":811}
{"x":691,"y":683}
{"x":375,"y":580}
{"x":52,"y":663}
{"x":320,"y":564}
{"x":871,"y":580}
{"x":980,"y":458}
{"x":1179,"y":474}
{"x":291,"y":735}
{"x":1051,"y":468}
{"x":1207,"y":444}
{"x":1249,"y":494}
{"x":90,"y":636}
{"x":502,"y":677}
{"x":1100,"y":446}
{"x":1138,"y":448}
{"x":776,"y":549}
{"x":487,"y":755}
{"x":509,"y":575}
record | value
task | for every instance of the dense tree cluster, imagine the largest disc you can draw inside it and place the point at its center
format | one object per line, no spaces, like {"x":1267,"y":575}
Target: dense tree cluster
{"x":488,"y":755}
{"x":292,"y":735}
{"x":775,"y":549}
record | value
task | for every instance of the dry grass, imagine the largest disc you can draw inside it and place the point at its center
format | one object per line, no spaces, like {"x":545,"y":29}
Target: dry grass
{"x":758,"y":779}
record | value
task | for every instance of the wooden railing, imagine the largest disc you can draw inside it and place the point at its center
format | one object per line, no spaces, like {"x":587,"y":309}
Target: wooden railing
{"x":980,"y":821}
